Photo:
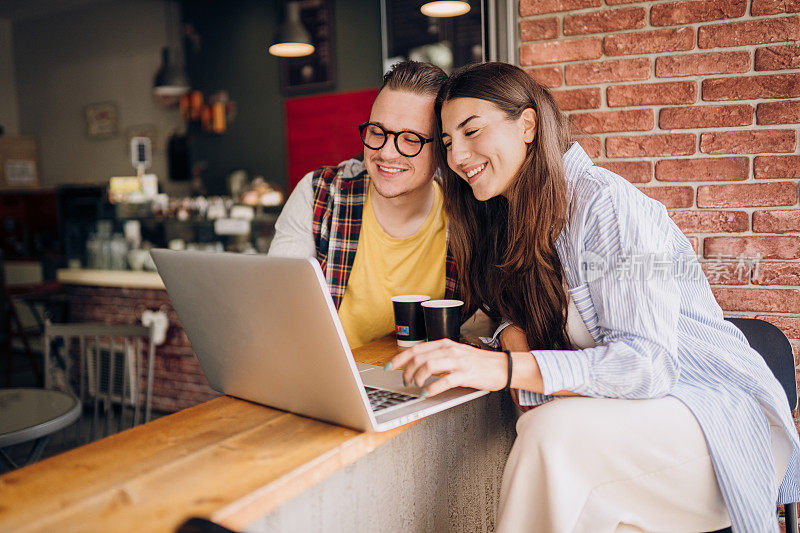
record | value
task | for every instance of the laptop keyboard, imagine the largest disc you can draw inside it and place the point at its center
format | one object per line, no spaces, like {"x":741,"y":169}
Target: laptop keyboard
{"x":381,"y":399}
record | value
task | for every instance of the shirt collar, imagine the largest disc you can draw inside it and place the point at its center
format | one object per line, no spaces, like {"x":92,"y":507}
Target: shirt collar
{"x":576,"y":161}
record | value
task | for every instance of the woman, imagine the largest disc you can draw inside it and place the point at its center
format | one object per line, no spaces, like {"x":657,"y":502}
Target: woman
{"x":678,"y":425}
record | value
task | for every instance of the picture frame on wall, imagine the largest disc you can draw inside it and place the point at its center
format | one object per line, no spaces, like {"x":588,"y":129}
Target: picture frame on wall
{"x":102,"y":120}
{"x":312,"y":73}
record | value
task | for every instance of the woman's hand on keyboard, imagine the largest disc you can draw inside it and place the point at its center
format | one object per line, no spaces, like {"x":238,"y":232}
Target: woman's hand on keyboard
{"x":462,"y":366}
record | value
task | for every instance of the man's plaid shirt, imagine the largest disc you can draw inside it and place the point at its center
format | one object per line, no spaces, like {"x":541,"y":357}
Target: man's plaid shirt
{"x":339,"y":197}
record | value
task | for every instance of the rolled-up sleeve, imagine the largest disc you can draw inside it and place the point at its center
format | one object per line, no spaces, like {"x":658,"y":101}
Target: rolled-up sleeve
{"x":293,"y":229}
{"x":636,"y":298}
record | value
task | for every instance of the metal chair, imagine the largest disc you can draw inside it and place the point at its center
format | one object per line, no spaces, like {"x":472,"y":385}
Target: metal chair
{"x":110,"y":374}
{"x":774,"y":347}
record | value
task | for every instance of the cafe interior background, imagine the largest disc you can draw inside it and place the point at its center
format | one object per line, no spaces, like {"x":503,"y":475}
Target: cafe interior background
{"x":695,"y":102}
{"x":223,"y":129}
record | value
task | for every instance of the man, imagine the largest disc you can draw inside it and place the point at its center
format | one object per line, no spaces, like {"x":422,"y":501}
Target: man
{"x":377,"y":227}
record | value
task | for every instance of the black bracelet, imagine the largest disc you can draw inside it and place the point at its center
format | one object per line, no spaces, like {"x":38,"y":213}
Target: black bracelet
{"x":510,"y":368}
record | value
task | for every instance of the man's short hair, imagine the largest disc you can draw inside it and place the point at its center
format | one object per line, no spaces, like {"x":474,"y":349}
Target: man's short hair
{"x":414,"y":77}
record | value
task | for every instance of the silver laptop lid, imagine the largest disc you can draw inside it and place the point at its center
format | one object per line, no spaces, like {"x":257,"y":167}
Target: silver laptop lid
{"x":266,"y":330}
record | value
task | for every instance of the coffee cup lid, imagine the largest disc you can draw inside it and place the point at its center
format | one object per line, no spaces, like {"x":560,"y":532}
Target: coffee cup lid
{"x":442,"y":303}
{"x":410,"y":298}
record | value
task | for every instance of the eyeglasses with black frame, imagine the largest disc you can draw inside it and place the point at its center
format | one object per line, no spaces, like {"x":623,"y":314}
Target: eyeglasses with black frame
{"x":408,"y":143}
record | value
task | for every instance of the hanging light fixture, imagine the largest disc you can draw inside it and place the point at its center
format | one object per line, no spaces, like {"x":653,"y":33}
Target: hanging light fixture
{"x":170,"y":80}
{"x":292,"y":39}
{"x":445,"y":8}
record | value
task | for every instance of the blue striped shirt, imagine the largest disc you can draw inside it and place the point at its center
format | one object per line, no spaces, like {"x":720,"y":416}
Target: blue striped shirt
{"x":639,"y":288}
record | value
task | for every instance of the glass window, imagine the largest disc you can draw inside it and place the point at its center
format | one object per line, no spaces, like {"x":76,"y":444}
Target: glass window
{"x":449,"y":42}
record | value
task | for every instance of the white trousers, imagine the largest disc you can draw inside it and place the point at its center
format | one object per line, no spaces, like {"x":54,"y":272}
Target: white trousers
{"x":604,"y":465}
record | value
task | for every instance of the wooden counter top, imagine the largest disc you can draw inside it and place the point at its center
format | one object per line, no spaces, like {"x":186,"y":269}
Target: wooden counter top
{"x":227,"y":459}
{"x":110,"y":278}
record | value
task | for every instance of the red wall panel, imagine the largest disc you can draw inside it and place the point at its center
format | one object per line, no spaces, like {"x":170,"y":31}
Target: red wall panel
{"x":323,"y":130}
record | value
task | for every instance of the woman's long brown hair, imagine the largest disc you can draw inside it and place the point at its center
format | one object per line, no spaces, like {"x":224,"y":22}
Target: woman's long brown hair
{"x":504,"y":248}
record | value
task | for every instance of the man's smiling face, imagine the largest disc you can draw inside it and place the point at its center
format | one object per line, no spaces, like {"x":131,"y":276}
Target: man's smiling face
{"x":392,"y":173}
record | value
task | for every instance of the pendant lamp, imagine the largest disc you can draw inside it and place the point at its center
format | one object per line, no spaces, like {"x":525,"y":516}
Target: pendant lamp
{"x":292,"y":38}
{"x":170,"y":80}
{"x":445,"y":8}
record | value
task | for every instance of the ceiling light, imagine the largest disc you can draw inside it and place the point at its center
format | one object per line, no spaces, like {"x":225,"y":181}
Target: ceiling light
{"x":291,"y":49}
{"x":445,"y":8}
{"x":292,"y":39}
{"x":170,"y":80}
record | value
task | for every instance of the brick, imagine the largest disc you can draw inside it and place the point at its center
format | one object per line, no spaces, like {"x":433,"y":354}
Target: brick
{"x":773,"y":7}
{"x":767,"y":247}
{"x":546,"y":76}
{"x":667,"y":93}
{"x":605,"y":71}
{"x":651,"y":145}
{"x":776,"y":273}
{"x":591,"y":145}
{"x":569,"y":100}
{"x":765,"y":300}
{"x":708,"y":63}
{"x":688,"y":12}
{"x":752,"y":87}
{"x":560,"y":51}
{"x":747,"y":195}
{"x":713,"y":116}
{"x":605,"y":21}
{"x":719,"y":273}
{"x":703,"y":169}
{"x":778,"y":57}
{"x":789,"y":325}
{"x":538,"y":29}
{"x":538,"y":7}
{"x":711,"y":221}
{"x":633,"y":171}
{"x":671,"y":197}
{"x":748,"y":142}
{"x":749,"y":32}
{"x":607,"y":121}
{"x":777,"y":221}
{"x":780,"y":167}
{"x":620,"y":2}
{"x":649,"y":42}
{"x":786,"y":112}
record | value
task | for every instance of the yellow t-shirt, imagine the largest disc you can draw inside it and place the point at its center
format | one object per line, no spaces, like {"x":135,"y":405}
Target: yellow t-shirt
{"x":386,"y":266}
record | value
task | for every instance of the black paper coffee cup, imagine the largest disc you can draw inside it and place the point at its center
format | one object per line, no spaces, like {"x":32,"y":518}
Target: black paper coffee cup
{"x":443,"y":319}
{"x":409,"y":320}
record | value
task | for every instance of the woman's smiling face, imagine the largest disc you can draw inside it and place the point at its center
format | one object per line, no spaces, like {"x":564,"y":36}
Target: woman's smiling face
{"x":483,"y":145}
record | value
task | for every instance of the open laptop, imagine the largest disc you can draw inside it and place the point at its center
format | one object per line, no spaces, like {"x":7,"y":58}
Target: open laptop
{"x":265,"y":329}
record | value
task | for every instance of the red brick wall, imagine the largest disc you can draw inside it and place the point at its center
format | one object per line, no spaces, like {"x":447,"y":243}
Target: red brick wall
{"x":697,"y":103}
{"x":178,"y":381}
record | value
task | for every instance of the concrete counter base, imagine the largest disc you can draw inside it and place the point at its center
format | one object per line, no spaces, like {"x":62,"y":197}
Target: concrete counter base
{"x":442,"y":474}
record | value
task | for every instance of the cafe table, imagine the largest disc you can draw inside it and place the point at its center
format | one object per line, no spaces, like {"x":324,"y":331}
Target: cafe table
{"x":33,"y":415}
{"x":250,"y":467}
